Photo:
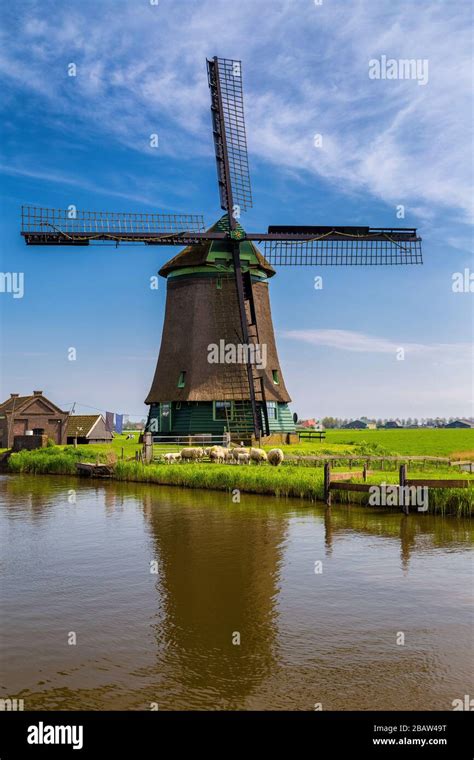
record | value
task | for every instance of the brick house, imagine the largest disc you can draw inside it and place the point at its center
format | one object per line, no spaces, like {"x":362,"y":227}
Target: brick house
{"x":37,"y":413}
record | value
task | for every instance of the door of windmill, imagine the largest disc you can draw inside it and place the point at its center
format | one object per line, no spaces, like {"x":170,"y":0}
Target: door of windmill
{"x":165,"y":418}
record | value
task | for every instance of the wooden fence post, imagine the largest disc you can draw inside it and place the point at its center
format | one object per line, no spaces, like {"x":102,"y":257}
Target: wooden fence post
{"x":402,"y":482}
{"x":364,"y":473}
{"x":147,"y":448}
{"x":327,"y":481}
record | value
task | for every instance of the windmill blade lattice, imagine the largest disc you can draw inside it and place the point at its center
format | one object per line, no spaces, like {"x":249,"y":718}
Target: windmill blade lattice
{"x":381,"y":247}
{"x":227,"y":107}
{"x":65,"y":225}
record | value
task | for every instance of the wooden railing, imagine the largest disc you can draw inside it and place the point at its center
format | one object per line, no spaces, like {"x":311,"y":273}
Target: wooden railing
{"x":337,"y":481}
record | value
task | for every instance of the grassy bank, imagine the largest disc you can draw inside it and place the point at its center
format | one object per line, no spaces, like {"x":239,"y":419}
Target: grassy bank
{"x":290,"y":480}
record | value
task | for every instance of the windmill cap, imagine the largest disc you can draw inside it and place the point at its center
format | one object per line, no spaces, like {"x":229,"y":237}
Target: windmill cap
{"x":203,"y":254}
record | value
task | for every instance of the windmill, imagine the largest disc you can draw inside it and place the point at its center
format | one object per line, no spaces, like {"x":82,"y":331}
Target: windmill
{"x":217,"y":290}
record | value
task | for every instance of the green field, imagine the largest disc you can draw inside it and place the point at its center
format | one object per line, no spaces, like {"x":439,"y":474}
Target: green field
{"x":439,"y":442}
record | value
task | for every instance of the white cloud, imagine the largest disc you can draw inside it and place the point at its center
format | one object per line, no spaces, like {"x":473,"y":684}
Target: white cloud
{"x":305,"y":71}
{"x":349,"y":340}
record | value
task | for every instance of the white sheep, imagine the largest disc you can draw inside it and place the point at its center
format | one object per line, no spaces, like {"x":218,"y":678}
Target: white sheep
{"x":239,"y":450}
{"x":243,"y":458}
{"x":192,"y":454}
{"x":258,"y":455}
{"x":170,"y":458}
{"x":217,"y":454}
{"x":275,"y":457}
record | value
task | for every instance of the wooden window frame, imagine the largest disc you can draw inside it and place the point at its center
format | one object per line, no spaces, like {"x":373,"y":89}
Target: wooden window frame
{"x":222,"y":419}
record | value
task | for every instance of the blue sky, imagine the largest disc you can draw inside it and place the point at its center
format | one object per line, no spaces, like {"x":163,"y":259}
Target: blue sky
{"x":84,"y":140}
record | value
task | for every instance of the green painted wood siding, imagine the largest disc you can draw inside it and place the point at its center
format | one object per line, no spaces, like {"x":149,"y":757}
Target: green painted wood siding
{"x":198,"y":418}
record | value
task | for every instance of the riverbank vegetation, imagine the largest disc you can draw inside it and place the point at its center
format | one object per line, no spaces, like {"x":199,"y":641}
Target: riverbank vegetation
{"x":301,"y":480}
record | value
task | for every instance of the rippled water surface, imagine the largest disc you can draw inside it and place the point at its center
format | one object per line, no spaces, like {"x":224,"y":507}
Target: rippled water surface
{"x":157,"y":583}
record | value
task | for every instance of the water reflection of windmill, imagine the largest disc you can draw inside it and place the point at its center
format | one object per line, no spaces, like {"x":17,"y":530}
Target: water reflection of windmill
{"x":214,"y":583}
{"x":217,"y":287}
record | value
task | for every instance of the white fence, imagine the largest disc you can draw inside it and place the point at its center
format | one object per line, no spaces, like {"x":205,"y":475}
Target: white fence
{"x":176,"y":443}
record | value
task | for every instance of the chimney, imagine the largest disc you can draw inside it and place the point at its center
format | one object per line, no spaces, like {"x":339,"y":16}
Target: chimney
{"x":14,"y":395}
{"x":37,"y":393}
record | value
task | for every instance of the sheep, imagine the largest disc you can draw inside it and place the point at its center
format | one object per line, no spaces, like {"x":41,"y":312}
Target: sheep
{"x":239,"y":450}
{"x":217,"y":454}
{"x":170,"y":458}
{"x":275,"y":457}
{"x":193,"y":454}
{"x":228,"y":456}
{"x":258,"y":455}
{"x":243,"y":458}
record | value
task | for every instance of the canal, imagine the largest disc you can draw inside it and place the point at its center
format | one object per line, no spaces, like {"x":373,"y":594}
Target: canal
{"x":132,"y":596}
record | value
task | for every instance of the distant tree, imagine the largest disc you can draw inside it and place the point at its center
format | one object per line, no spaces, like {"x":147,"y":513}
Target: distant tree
{"x":415,"y":422}
{"x":329,"y":422}
{"x":409,"y":422}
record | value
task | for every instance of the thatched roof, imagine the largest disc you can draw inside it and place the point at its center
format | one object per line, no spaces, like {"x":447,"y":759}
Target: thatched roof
{"x":198,"y":314}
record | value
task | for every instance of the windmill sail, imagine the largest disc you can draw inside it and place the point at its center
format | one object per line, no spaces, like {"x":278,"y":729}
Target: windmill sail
{"x":70,"y":226}
{"x":230,"y":140}
{"x":342,"y":246}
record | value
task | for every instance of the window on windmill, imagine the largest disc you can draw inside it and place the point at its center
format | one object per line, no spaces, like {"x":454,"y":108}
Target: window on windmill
{"x":272,"y":410}
{"x":276,"y":377}
{"x":182,"y":379}
{"x":222,"y":410}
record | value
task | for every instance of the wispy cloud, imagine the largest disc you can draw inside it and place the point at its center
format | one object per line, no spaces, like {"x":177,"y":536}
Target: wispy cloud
{"x":349,"y":340}
{"x":74,"y":180}
{"x":394,"y":140}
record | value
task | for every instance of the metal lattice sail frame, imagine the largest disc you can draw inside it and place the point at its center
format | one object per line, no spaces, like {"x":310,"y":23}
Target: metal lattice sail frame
{"x":331,"y":246}
{"x":283,"y":246}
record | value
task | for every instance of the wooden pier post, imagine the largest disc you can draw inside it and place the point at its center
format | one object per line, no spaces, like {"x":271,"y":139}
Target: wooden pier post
{"x":327,"y":481}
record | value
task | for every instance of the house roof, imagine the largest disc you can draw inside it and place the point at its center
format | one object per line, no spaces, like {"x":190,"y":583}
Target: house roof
{"x":17,"y":404}
{"x":80,"y":425}
{"x":14,"y":404}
